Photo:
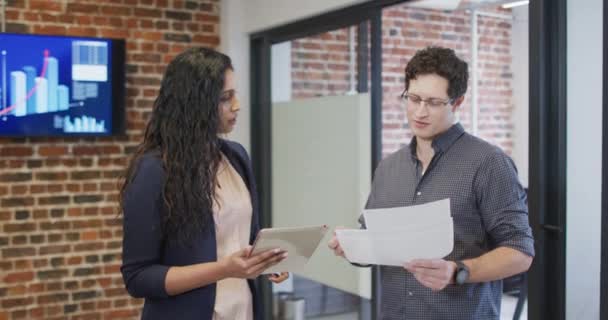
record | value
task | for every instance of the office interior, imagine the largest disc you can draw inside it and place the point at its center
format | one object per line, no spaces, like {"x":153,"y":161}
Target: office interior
{"x":321,"y":77}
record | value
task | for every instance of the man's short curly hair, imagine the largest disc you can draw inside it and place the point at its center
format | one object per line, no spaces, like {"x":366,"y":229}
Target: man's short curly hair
{"x":443,"y":62}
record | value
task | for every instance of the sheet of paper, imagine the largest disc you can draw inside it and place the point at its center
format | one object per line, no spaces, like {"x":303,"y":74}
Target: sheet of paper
{"x":396,"y":247}
{"x":408,"y":218}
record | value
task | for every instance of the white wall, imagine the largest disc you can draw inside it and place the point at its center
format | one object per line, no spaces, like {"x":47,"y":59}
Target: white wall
{"x":520,"y":53}
{"x":280,"y":72}
{"x":240,"y":18}
{"x":235,"y":43}
{"x":584,"y":159}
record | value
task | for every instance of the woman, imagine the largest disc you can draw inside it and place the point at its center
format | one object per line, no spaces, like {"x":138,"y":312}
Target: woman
{"x":189,"y":201}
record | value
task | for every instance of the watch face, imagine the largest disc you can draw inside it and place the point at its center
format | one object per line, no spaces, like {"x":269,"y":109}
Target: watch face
{"x":462,"y":276}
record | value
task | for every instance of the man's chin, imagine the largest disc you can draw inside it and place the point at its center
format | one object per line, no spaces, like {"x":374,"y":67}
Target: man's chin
{"x":423,"y":134}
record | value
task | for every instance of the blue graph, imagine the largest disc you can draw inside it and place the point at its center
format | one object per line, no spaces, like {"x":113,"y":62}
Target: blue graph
{"x":44,"y":77}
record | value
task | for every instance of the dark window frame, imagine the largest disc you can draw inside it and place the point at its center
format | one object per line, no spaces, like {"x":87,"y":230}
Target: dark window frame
{"x":604,"y":246}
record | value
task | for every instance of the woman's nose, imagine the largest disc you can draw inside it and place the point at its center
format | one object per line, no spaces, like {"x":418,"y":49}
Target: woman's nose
{"x":236,"y":105}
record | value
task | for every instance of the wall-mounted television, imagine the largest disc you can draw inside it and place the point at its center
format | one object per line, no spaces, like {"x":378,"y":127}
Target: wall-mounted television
{"x":61,"y":86}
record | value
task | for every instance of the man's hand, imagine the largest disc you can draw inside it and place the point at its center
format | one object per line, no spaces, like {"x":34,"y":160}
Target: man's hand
{"x":434,"y":274}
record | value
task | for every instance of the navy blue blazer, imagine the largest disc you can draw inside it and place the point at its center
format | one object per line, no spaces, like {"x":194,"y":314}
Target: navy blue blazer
{"x":147,"y":256}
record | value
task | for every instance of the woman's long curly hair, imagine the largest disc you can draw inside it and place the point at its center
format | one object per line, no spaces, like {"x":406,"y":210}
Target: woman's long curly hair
{"x":184,"y":128}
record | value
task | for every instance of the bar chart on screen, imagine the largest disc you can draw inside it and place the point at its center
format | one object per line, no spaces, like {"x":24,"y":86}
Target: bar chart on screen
{"x":31,"y":93}
{"x":55,"y":85}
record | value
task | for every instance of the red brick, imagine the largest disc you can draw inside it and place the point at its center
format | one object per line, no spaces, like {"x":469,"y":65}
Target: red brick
{"x":83,"y":20}
{"x":23,"y":264}
{"x":36,"y":287}
{"x":101,"y":21}
{"x":206,"y":18}
{"x":55,"y":188}
{"x":83,"y":224}
{"x":108,"y":211}
{"x":51,"y":30}
{"x":105,"y":304}
{"x":53,"y":298}
{"x":110,"y":269}
{"x":45,"y":5}
{"x":66,"y":19}
{"x":17,"y":302}
{"x":37,"y":313}
{"x":149,"y":36}
{"x":90,"y":246}
{"x":87,"y":187}
{"x":66,"y":162}
{"x":56,"y":249}
{"x":52,"y":151}
{"x":118,"y":314}
{"x":114,"y":33}
{"x":205,"y":39}
{"x":87,"y":306}
{"x":82,"y":31}
{"x":51,"y":175}
{"x":12,"y":14}
{"x":82,"y":8}
{"x":89,"y":235}
{"x":19,"y":277}
{"x":116,"y":11}
{"x":5,"y":215}
{"x":104,"y":282}
{"x":209,"y":28}
{"x":13,"y":164}
{"x":19,"y":227}
{"x":16,"y":151}
{"x":54,"y":310}
{"x":19,"y":189}
{"x":151,"y":13}
{"x":6,"y":265}
{"x":16,"y":290}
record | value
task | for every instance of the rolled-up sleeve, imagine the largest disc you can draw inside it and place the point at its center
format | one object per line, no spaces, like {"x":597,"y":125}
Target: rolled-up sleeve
{"x":502,"y":202}
{"x":142,"y":270}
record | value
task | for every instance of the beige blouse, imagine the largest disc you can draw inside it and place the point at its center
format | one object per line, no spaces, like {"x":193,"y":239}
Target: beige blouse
{"x":232,"y":214}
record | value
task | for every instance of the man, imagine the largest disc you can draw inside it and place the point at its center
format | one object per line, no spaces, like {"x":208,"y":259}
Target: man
{"x":492,"y":236}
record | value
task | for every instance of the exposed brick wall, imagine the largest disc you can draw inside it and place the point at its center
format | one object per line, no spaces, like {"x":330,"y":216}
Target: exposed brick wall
{"x":320,"y":67}
{"x":60,"y":239}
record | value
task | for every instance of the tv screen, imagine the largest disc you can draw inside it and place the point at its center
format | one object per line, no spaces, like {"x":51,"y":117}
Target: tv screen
{"x":61,"y":86}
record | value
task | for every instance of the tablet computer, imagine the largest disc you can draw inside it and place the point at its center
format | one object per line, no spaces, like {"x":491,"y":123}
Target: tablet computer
{"x":299,"y":242}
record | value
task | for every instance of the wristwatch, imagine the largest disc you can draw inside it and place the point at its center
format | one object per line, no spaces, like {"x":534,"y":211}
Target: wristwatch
{"x":461,"y":275}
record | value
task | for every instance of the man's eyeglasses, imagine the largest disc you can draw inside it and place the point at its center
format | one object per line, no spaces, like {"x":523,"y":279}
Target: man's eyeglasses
{"x":415,"y":100}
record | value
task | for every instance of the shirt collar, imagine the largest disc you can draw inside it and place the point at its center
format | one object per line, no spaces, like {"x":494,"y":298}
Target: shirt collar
{"x":443,"y":141}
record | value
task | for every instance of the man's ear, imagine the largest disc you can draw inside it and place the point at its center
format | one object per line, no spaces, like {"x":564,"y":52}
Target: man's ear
{"x":457,"y":103}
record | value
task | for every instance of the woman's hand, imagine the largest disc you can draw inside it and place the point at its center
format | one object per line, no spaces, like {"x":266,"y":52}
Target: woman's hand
{"x":334,"y":244}
{"x":241,"y":265}
{"x":278,"y":278}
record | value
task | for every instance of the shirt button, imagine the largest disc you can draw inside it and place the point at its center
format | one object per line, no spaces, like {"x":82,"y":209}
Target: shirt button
{"x":410,"y":293}
{"x":418,"y":193}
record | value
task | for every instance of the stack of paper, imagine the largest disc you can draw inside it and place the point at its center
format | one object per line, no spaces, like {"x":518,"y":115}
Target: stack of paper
{"x":395,"y":236}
